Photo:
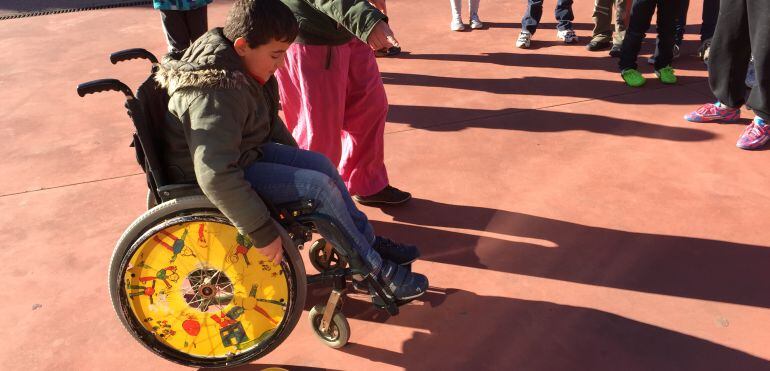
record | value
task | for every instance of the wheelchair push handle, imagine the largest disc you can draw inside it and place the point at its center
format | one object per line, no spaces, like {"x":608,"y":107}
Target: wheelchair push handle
{"x":98,"y":86}
{"x":136,"y":53}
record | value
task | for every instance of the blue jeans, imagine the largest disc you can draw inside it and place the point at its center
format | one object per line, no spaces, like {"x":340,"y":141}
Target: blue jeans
{"x":286,"y":174}
{"x":535,"y":11}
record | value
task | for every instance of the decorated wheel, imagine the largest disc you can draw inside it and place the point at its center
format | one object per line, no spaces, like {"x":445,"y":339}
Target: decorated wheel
{"x":193,"y":290}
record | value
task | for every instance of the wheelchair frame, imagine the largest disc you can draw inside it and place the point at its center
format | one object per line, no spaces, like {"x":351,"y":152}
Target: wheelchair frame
{"x":299,"y":219}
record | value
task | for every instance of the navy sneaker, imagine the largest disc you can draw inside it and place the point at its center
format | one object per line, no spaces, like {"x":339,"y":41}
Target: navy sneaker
{"x":404,"y":284}
{"x":399,"y":253}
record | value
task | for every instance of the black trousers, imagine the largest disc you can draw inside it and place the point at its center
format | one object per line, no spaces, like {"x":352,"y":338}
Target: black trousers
{"x":182,"y":27}
{"x":709,"y":16}
{"x":641,"y":18}
{"x":742,"y":30}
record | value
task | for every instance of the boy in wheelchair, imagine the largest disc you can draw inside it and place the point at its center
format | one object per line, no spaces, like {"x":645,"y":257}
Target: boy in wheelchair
{"x":223,"y":131}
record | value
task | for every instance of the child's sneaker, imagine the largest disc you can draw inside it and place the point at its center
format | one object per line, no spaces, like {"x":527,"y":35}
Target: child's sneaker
{"x":457,"y":25}
{"x":476,"y":22}
{"x":404,"y":284}
{"x":666,"y":75}
{"x":568,"y":36}
{"x":703,"y":51}
{"x":399,"y":253}
{"x":524,"y":40}
{"x":713,"y":112}
{"x":615,"y":51}
{"x":755,"y":136}
{"x":633,"y":78}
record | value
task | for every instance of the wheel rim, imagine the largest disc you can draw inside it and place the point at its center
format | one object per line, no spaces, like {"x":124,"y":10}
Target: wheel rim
{"x":195,"y":286}
{"x":334,"y":331}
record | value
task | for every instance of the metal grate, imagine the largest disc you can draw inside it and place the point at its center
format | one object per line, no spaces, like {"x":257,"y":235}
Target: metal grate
{"x":70,"y":10}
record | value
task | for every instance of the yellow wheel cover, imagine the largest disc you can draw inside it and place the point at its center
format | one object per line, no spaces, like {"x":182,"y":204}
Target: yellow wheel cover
{"x":202,"y":289}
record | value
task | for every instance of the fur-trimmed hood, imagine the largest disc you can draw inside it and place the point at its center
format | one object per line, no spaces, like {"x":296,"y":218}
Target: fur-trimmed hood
{"x":210,"y":62}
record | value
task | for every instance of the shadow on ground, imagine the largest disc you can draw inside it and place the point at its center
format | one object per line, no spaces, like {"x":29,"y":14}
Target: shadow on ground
{"x":669,"y":265}
{"x":477,"y":332}
{"x":455,"y":119}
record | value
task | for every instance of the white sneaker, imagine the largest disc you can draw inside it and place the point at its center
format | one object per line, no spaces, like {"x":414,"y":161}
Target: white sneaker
{"x":568,"y":36}
{"x":476,"y":22}
{"x":523,"y":40}
{"x":457,"y":25}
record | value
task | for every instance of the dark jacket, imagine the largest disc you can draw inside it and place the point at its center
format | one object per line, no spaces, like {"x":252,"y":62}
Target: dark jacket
{"x":334,"y":22}
{"x":218,"y":116}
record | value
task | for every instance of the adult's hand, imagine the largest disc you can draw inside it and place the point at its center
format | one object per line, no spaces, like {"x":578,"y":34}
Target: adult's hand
{"x":273,"y":251}
{"x":380,"y":5}
{"x":381,"y":37}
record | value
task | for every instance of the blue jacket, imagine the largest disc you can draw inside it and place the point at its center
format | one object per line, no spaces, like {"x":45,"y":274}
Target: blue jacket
{"x":179,"y":4}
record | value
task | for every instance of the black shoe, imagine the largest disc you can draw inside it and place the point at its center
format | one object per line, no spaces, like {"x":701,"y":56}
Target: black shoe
{"x":595,"y":45}
{"x":615,"y":51}
{"x":405,"y":284}
{"x":388,"y":52}
{"x":387,"y":196}
{"x":399,"y":253}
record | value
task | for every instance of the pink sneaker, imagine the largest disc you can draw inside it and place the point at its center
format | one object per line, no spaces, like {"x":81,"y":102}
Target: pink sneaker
{"x":755,"y":135}
{"x":713,"y":112}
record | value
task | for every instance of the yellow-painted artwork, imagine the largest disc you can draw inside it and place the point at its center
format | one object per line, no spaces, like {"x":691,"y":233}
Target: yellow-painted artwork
{"x":202,"y":289}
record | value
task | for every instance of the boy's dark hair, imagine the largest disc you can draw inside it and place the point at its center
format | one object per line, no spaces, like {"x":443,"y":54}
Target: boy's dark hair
{"x":260,"y":21}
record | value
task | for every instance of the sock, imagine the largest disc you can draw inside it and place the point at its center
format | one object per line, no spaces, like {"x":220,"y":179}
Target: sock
{"x":759,"y":121}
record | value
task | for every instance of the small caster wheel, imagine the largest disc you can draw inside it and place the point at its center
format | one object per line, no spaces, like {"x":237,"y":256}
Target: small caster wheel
{"x":339,"y":329}
{"x":323,"y":257}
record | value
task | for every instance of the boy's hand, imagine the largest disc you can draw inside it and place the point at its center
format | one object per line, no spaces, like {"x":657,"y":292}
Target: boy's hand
{"x":273,"y":251}
{"x":381,"y":37}
{"x":380,"y":5}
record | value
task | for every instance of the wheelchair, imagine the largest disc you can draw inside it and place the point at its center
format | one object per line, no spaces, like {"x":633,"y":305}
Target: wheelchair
{"x":190,"y":288}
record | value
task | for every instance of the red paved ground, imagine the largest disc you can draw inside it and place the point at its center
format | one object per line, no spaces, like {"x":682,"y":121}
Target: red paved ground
{"x":566,"y":221}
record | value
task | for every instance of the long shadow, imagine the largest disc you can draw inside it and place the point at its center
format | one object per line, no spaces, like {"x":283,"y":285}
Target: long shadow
{"x":537,"y":85}
{"x":572,"y":62}
{"x":454,"y":119}
{"x":543,"y":27}
{"x":530,"y":245}
{"x":475,"y":332}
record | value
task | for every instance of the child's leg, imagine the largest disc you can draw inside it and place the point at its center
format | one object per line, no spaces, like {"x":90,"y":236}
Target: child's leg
{"x":281,"y":183}
{"x":759,"y":99}
{"x":564,"y":16}
{"x":456,"y":8}
{"x":362,"y":166}
{"x":175,"y":28}
{"x":312,"y":86}
{"x":641,"y":17}
{"x":602,"y":20}
{"x":473,"y":6}
{"x":668,"y":14}
{"x":709,"y":16}
{"x":299,"y":158}
{"x":681,"y":21}
{"x":730,"y":53}
{"x":532,"y":16}
{"x":197,"y":22}
{"x":622,"y":12}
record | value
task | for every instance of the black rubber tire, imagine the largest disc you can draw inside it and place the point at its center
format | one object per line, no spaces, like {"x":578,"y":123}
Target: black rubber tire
{"x":317,"y":260}
{"x":340,"y":328}
{"x":197,"y":206}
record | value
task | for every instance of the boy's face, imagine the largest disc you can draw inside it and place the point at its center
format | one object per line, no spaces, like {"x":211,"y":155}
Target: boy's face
{"x":262,"y":61}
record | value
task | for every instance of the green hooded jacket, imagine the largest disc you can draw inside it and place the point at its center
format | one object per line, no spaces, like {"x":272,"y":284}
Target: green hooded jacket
{"x":334,"y":22}
{"x":218,"y":117}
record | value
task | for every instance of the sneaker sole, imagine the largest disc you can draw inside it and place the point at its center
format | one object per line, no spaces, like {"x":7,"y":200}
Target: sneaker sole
{"x":367,"y":203}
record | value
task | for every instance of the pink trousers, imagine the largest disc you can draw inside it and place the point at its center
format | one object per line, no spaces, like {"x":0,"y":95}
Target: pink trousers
{"x":334,"y":103}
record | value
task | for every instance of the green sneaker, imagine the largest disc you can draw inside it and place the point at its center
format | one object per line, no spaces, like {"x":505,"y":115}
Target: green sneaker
{"x":666,"y":75}
{"x":633,"y":78}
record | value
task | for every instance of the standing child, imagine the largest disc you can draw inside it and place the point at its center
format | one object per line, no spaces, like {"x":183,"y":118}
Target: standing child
{"x":602,"y":37}
{"x":532,"y":18}
{"x":641,"y":17}
{"x":742,"y":31}
{"x":184,"y":21}
{"x":457,"y":21}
